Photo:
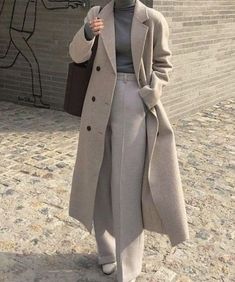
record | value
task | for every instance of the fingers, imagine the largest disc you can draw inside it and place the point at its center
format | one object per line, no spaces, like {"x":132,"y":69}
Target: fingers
{"x":96,"y":25}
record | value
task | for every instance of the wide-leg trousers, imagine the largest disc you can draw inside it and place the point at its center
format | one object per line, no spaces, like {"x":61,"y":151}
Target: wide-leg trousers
{"x":118,"y":221}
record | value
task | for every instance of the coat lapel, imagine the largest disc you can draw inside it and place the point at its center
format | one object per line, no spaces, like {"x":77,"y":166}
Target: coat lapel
{"x":138,"y":34}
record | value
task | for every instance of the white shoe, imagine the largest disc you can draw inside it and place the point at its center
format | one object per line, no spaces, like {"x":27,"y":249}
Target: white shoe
{"x":108,"y":268}
{"x":133,"y":280}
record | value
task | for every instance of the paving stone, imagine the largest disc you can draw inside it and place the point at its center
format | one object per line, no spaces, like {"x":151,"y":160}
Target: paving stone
{"x":40,"y":242}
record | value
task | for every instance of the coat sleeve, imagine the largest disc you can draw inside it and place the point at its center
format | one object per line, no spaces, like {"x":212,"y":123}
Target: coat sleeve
{"x":161,"y":65}
{"x":80,"y":46}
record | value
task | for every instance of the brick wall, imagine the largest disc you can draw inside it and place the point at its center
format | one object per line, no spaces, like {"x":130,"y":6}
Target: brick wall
{"x":34,"y":62}
{"x":202,"y":40}
{"x":45,"y":53}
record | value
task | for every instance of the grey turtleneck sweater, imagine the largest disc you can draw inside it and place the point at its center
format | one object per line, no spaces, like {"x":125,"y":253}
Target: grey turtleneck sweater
{"x":123,"y":14}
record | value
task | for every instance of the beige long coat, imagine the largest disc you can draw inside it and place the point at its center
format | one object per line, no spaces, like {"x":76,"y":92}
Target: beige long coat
{"x":163,"y":203}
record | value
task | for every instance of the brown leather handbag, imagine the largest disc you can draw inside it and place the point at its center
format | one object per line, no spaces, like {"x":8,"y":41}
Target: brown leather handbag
{"x":77,"y":82}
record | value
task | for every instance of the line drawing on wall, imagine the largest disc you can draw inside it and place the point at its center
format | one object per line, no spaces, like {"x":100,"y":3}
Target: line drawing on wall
{"x":23,"y":18}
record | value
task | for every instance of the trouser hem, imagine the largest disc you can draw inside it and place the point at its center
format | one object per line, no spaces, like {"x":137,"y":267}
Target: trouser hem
{"x":106,"y":259}
{"x":129,"y":277}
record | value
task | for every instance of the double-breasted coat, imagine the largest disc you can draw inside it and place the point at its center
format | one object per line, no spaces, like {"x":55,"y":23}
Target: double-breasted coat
{"x":163,"y":205}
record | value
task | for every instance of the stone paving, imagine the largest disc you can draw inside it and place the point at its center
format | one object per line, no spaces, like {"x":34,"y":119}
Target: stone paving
{"x":40,"y":242}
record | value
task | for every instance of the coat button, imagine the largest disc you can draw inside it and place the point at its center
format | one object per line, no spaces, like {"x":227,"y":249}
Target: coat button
{"x":98,"y":68}
{"x":93,"y":98}
{"x":88,"y":128}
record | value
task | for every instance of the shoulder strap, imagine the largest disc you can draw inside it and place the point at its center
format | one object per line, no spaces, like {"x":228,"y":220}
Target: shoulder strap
{"x":94,"y":47}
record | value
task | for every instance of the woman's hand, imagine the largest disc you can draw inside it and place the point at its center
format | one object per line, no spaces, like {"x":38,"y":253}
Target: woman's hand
{"x":96,"y":25}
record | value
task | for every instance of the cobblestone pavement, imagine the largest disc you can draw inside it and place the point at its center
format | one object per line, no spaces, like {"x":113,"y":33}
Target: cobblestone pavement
{"x":40,"y":242}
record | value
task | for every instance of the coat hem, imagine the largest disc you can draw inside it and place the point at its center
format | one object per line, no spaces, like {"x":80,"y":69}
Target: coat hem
{"x":89,"y":227}
{"x":175,"y":242}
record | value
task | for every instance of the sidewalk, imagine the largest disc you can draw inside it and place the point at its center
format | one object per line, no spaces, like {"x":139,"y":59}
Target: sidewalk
{"x":39,"y":242}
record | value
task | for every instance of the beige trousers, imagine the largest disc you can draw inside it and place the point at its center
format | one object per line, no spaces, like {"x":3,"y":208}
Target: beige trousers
{"x":118,"y":222}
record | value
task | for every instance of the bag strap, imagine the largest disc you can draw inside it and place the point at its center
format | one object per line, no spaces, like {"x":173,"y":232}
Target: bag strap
{"x":94,"y":47}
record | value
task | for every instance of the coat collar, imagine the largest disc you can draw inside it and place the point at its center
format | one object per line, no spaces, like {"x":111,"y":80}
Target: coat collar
{"x":138,"y":33}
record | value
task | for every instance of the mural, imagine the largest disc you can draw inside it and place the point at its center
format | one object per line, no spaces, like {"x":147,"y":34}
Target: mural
{"x":23,"y":18}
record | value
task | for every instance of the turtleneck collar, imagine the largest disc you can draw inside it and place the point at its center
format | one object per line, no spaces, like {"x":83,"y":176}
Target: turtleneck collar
{"x":122,"y":4}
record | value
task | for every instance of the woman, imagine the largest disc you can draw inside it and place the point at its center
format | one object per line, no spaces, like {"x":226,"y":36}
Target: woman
{"x":120,"y":180}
